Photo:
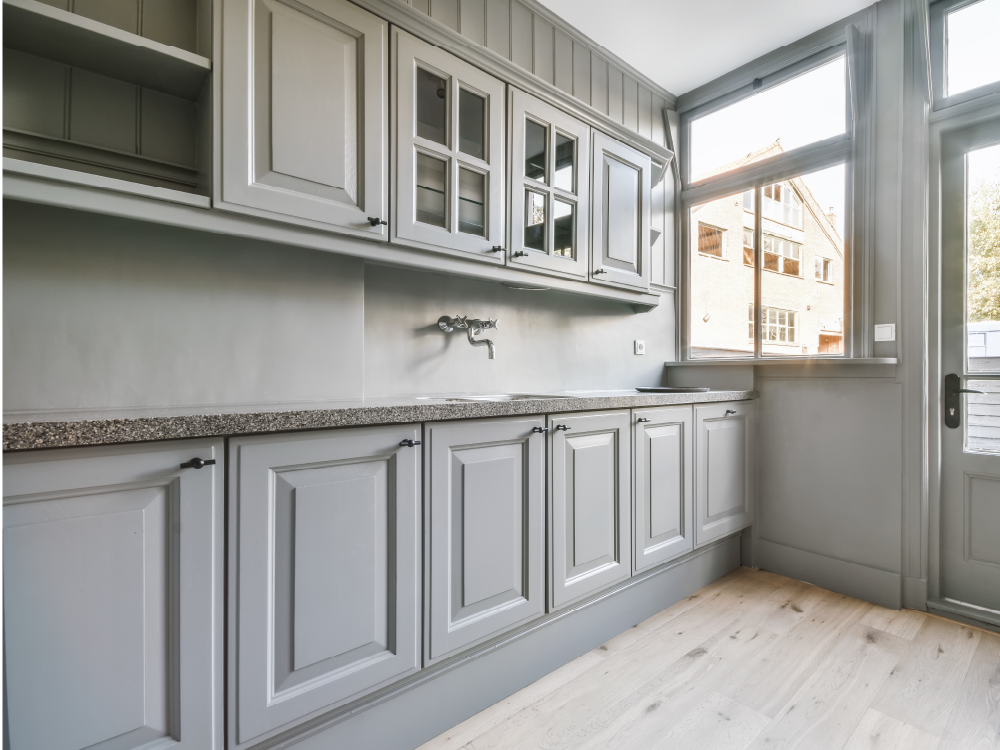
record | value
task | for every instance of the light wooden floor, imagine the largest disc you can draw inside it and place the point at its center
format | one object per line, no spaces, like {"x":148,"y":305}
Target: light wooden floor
{"x":756,"y":660}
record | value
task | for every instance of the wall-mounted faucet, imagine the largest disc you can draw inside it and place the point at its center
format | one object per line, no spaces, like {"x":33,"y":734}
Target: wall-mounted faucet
{"x":473,"y":327}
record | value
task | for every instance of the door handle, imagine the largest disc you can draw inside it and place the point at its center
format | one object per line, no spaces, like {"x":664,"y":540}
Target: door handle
{"x":953,"y":400}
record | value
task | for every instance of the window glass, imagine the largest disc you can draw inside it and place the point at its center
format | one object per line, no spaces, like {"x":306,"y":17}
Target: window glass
{"x":983,"y":260}
{"x":431,"y":190}
{"x":535,"y":136}
{"x":565,"y":162}
{"x":471,"y":124}
{"x":748,"y":254}
{"x":721,"y":292}
{"x":471,"y":202}
{"x":981,"y":415}
{"x":432,"y":106}
{"x":534,"y":220}
{"x":972,"y":59}
{"x":564,"y":228}
{"x":808,"y":108}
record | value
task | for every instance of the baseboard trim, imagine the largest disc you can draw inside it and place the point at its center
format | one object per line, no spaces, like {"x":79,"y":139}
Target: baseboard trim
{"x":915,"y":593}
{"x":969,"y":615}
{"x":860,"y":581}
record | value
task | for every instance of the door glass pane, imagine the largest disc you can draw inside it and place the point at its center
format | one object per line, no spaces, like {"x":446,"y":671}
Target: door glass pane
{"x":471,"y":202}
{"x":534,"y":220}
{"x":808,"y":108}
{"x":803,"y":229}
{"x":983,"y":261}
{"x":971,"y":58}
{"x":432,"y":181}
{"x":535,"y":137}
{"x":565,"y":163}
{"x":564,"y":228}
{"x":983,"y":416}
{"x":471,"y":124}
{"x":721,"y":283}
{"x":432,"y":106}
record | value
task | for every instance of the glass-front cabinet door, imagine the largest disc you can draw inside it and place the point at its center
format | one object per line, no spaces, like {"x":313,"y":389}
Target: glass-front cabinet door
{"x":449,"y":161}
{"x":549,"y":187}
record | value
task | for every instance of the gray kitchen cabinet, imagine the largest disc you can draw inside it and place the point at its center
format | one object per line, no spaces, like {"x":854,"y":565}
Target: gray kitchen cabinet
{"x":484,"y":530}
{"x":590,"y":504}
{"x":113,"y":597}
{"x":304,"y":126}
{"x":622,"y":181}
{"x":325,"y":571}
{"x":448,"y":166}
{"x":725,"y":474}
{"x":662,"y":485}
{"x":549,"y":188}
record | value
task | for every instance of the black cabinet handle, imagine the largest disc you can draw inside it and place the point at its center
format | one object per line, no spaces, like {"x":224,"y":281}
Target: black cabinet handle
{"x":375,"y":221}
{"x":198,"y":463}
{"x":599,"y":271}
{"x":539,"y":429}
{"x":495,"y":249}
{"x":563,"y":427}
{"x":643,"y":419}
{"x":519,"y":254}
{"x":730,"y":411}
{"x":409,"y":443}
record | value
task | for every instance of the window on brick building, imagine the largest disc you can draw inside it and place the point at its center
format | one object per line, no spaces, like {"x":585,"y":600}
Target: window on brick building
{"x":711,"y":240}
{"x":782,"y":256}
{"x":824,"y":269}
{"x":747,"y":246}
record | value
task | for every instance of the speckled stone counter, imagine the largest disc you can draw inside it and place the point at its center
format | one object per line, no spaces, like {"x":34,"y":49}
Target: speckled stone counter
{"x":51,"y":430}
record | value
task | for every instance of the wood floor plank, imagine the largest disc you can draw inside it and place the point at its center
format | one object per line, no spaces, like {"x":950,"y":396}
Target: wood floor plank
{"x":718,"y":723}
{"x":902,"y":622}
{"x":975,"y":720}
{"x":921,"y":689}
{"x":880,"y":732}
{"x":828,"y":708}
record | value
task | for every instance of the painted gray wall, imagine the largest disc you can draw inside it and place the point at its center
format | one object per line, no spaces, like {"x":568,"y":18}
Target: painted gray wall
{"x":106,"y":313}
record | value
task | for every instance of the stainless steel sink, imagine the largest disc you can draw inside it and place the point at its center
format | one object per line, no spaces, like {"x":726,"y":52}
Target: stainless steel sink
{"x":495,"y":397}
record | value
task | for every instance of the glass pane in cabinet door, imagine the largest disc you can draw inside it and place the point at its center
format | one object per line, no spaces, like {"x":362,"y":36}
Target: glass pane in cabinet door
{"x":564,"y":214}
{"x":471,"y":202}
{"x":534,"y":220}
{"x":565,"y":163}
{"x":535,"y":137}
{"x":471,"y":124}
{"x":432,"y":181}
{"x":432,"y":107}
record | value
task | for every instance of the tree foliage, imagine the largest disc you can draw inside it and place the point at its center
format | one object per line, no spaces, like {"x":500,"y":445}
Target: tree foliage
{"x":984,"y":252}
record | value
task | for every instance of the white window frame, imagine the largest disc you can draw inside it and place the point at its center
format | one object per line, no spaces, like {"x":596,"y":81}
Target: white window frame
{"x":827,"y":278}
{"x":725,"y":241}
{"x":939,"y":52}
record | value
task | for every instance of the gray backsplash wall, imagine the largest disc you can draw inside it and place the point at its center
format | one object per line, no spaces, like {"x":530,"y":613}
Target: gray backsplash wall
{"x":106,"y":313}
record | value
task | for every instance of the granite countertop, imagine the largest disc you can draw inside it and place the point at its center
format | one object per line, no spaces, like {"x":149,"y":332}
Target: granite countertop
{"x":93,"y":427}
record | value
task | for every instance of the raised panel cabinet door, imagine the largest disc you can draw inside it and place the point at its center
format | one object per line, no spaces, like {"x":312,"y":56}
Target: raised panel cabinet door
{"x":725,"y":473}
{"x":549,"y":188}
{"x":662,"y":485}
{"x":304,"y":127}
{"x":113,"y":597}
{"x":590,"y":504}
{"x":448,"y":166}
{"x":621,"y":211}
{"x":484,"y":530}
{"x":324,"y":572}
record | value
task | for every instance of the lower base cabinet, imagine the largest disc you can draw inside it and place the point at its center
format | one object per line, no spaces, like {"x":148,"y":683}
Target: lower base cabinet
{"x":590,"y":505}
{"x":725,"y":468}
{"x":484,"y":530}
{"x":325,"y":572}
{"x":113,"y":597}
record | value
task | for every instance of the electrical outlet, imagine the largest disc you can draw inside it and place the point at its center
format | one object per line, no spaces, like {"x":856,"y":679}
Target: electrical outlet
{"x":640,"y":347}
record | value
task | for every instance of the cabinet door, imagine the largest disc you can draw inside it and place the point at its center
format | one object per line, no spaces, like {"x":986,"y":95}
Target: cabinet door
{"x":549,"y":187}
{"x":484,"y":530}
{"x":663,"y":484}
{"x":621,"y":211}
{"x":304,"y":126}
{"x":324,"y":554}
{"x":725,"y":479}
{"x":590,"y":518}
{"x":449,"y":164}
{"x":113,"y":597}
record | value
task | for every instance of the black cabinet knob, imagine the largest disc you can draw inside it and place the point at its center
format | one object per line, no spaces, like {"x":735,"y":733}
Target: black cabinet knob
{"x":519,"y":254}
{"x":495,"y":249}
{"x":409,"y":443}
{"x":563,"y":427}
{"x":643,"y":419}
{"x":198,"y":463}
{"x":375,"y":221}
{"x":599,"y":271}
{"x":730,"y":411}
{"x":539,"y":429}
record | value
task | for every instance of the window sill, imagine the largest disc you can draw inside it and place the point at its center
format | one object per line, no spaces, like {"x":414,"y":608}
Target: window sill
{"x":713,"y":257}
{"x":804,"y":360}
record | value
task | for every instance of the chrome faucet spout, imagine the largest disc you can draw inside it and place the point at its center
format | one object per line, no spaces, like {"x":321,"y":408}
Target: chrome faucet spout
{"x":472,"y":327}
{"x":482,"y":342}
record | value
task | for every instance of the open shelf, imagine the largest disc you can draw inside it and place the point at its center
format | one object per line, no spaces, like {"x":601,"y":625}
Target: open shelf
{"x":41,"y":30}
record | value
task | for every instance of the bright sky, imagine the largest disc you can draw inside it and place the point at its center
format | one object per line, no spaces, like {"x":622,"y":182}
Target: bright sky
{"x":984,"y":164}
{"x":973,"y":54}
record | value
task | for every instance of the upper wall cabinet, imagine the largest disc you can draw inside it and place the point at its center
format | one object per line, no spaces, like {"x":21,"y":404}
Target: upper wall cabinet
{"x":549,"y":187}
{"x":449,"y":158}
{"x":622,"y":184}
{"x":304,"y":127}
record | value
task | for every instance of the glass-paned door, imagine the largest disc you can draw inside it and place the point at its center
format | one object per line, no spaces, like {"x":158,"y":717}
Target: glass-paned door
{"x":970,"y":372}
{"x":449,"y":161}
{"x":549,"y":187}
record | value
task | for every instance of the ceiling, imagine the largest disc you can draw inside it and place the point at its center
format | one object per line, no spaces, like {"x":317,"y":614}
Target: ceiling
{"x":682,"y":44}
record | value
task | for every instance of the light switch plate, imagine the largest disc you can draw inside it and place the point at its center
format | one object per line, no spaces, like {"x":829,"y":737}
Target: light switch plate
{"x":885,"y":332}
{"x":640,"y":347}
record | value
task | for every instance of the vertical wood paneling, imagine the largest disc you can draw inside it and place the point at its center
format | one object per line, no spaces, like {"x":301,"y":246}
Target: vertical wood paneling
{"x":174,"y":23}
{"x":424,"y":6}
{"x":472,"y":17}
{"x":615,"y":84}
{"x":645,"y":112}
{"x":581,"y":72}
{"x":445,"y":12}
{"x":498,"y":26}
{"x":564,"y":62}
{"x":544,"y":50}
{"x":630,"y":103}
{"x":103,"y":112}
{"x":599,"y":83}
{"x":658,"y":134}
{"x":520,"y":35}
